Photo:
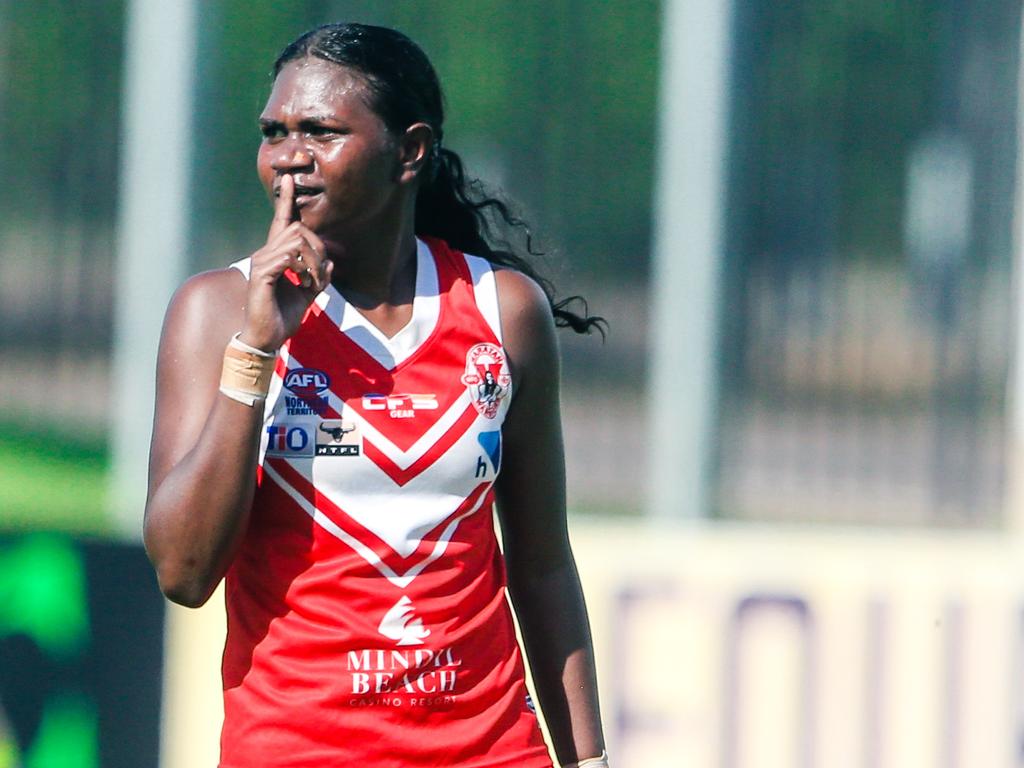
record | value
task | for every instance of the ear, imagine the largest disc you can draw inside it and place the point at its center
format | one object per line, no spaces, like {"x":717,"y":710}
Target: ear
{"x":414,"y":151}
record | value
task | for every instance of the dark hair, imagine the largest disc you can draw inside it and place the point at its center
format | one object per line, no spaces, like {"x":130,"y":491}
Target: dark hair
{"x":405,"y":90}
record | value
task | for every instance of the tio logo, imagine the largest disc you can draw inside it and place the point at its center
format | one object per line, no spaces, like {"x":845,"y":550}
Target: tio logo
{"x":285,"y":440}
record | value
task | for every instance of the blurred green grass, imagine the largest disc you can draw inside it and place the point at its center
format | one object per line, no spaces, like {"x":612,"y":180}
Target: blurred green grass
{"x":52,"y":480}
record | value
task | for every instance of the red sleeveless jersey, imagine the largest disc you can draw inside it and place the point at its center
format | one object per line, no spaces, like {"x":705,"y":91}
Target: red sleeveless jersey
{"x":367,"y":617}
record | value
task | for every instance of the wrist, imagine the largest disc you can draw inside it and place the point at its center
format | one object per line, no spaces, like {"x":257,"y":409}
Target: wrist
{"x":241,"y":342}
{"x":247,"y":371}
{"x":601,"y":761}
{"x":256,"y":343}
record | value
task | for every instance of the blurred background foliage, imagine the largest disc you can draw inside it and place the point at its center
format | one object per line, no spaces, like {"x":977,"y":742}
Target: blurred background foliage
{"x":553,"y":102}
{"x":839,"y":346}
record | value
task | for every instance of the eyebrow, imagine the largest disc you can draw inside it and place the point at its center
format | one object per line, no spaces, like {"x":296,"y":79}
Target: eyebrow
{"x":311,"y":120}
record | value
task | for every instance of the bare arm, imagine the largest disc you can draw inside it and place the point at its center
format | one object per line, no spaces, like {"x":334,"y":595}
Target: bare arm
{"x":202,"y":470}
{"x":203,"y":453}
{"x":543,"y":582}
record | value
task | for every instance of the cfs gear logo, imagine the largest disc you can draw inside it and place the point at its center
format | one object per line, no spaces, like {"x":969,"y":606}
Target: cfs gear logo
{"x":400,"y":406}
{"x":289,"y":440}
{"x":402,"y":625}
{"x":306,"y":382}
{"x":487,"y":378}
{"x":335,"y":437}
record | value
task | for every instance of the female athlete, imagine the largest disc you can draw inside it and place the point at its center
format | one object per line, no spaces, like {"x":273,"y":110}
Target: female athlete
{"x":331,"y":417}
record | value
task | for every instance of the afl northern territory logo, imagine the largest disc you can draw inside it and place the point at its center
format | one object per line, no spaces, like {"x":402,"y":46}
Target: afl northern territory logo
{"x":487,"y":377}
{"x":306,"y":382}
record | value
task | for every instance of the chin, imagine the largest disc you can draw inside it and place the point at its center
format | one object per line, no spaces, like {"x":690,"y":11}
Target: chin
{"x":313,"y":217}
{"x":310,"y":219}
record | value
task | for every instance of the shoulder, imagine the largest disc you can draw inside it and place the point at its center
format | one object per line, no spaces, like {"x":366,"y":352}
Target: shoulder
{"x":527,"y":324}
{"x":206,"y":306}
{"x":210,"y":291}
{"x":520,"y":294}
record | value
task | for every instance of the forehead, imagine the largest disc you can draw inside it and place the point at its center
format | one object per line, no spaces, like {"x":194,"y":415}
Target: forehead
{"x":314,"y":87}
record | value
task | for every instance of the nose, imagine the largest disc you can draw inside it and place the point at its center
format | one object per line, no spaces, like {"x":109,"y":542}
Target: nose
{"x":291,"y":155}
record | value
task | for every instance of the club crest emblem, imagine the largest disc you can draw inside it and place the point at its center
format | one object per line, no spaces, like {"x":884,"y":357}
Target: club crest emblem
{"x":487,"y":378}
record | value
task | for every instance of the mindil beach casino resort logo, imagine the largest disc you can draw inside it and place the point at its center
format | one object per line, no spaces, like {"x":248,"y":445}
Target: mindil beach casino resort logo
{"x":402,"y":625}
{"x":487,"y":378}
{"x":407,"y":674}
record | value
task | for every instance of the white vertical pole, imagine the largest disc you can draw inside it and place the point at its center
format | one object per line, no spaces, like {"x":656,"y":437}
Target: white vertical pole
{"x":687,"y":254}
{"x":1015,"y":399}
{"x":152,"y":220}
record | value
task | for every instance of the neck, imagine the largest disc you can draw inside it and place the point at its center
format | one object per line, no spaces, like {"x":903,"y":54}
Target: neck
{"x":378,"y":266}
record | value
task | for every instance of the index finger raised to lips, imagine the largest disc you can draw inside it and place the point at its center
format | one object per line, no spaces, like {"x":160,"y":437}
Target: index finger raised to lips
{"x":283,"y":206}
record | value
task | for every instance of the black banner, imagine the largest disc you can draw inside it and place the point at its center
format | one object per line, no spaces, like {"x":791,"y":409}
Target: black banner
{"x":81,"y":654}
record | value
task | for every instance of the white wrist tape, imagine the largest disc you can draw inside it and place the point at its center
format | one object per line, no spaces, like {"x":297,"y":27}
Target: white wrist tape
{"x":244,"y":398}
{"x":591,"y":762}
{"x":237,"y":343}
{"x":247,"y":371}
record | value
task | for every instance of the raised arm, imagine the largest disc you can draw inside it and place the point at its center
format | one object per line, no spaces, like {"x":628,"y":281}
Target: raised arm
{"x":543,"y":582}
{"x":203,"y":456}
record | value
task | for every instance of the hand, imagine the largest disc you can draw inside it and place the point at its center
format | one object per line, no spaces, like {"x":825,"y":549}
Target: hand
{"x":275,"y":306}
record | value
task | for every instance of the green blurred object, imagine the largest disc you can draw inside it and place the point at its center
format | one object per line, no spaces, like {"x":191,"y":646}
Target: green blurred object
{"x":40,"y":578}
{"x":67,"y":736}
{"x":43,"y":596}
{"x":52,"y":480}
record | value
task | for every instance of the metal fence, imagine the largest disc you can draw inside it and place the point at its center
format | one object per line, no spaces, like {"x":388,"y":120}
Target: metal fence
{"x":867,"y":308}
{"x":863,"y":363}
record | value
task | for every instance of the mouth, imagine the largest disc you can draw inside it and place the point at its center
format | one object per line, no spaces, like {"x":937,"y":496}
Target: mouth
{"x":303,"y":194}
{"x":301,"y":190}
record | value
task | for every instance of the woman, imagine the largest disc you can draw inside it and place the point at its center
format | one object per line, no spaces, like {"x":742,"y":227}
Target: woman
{"x":331,"y":416}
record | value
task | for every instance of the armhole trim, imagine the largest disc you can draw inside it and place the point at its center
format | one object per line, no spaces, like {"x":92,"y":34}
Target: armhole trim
{"x":242,"y":265}
{"x":485,"y":291}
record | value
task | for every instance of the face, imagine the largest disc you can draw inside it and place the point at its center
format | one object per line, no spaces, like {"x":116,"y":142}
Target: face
{"x":318,"y":127}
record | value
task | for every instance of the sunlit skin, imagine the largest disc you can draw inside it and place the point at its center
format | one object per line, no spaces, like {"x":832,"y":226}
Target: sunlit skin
{"x":343,"y":189}
{"x":354,"y":186}
{"x":317,"y":127}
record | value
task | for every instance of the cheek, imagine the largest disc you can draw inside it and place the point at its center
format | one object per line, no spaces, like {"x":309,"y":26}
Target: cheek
{"x":334,"y":166}
{"x":263,"y":167}
{"x":331,"y":153}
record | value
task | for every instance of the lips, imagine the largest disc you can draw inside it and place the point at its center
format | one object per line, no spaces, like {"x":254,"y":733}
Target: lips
{"x":305,"y":196}
{"x":302,"y":192}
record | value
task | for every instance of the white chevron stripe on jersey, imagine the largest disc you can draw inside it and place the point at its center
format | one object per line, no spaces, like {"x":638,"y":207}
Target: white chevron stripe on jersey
{"x":390,"y":351}
{"x":400,"y":579}
{"x":404,"y":459}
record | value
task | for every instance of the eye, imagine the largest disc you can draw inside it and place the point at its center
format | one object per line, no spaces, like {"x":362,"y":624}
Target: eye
{"x":321,"y":131}
{"x":272,"y":130}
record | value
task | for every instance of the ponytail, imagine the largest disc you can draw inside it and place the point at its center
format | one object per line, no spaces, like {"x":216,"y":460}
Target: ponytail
{"x":462,"y":213}
{"x":405,"y":90}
